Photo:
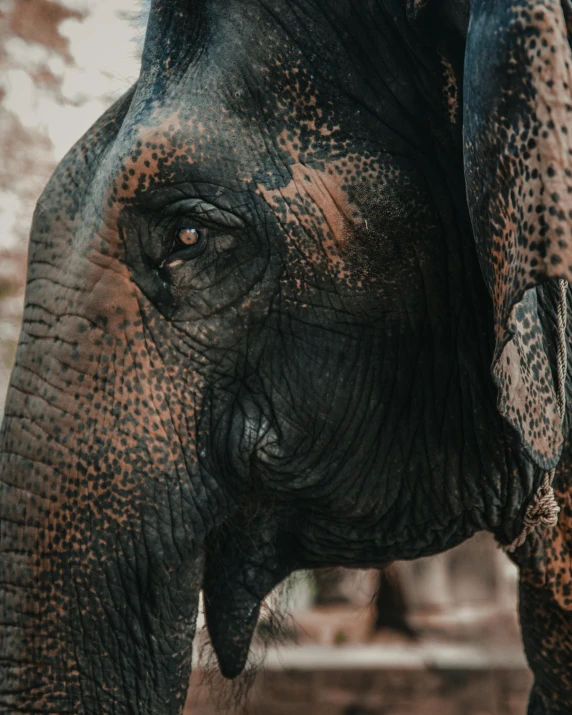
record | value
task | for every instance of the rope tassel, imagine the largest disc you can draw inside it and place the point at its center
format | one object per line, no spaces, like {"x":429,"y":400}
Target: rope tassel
{"x":543,"y":510}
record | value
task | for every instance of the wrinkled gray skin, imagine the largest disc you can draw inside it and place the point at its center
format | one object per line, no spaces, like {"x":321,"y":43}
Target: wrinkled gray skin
{"x":265,"y":293}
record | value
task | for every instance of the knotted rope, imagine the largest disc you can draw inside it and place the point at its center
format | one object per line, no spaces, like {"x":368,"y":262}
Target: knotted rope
{"x":543,"y":509}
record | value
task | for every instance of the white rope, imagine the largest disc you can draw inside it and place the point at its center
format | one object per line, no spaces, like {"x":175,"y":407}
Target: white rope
{"x":543,"y":509}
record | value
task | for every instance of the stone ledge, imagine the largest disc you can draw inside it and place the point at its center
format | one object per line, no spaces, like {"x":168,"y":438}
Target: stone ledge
{"x":433,"y":655}
{"x":426,"y":678}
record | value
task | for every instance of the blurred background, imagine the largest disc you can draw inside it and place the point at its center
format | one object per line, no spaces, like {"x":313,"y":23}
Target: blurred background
{"x":438,"y":636}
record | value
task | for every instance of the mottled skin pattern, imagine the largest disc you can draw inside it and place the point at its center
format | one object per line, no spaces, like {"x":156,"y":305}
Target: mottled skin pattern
{"x":518,"y":148}
{"x":546,"y":606}
{"x":518,"y":168}
{"x":259,"y":333}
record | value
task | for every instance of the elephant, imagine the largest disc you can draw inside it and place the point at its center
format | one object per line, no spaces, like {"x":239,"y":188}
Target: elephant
{"x":298,"y":300}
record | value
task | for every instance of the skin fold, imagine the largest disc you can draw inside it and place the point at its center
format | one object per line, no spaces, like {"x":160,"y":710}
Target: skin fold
{"x":291,"y":304}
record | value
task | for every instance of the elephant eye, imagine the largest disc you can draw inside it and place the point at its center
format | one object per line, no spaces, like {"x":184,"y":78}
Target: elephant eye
{"x":188,"y":237}
{"x":187,"y":242}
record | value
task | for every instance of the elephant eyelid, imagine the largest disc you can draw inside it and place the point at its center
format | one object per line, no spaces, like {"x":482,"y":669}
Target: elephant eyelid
{"x":205,"y":213}
{"x":175,"y":263}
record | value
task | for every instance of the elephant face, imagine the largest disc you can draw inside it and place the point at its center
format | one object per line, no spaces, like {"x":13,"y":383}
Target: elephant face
{"x":247,"y":229}
{"x":257,"y":336}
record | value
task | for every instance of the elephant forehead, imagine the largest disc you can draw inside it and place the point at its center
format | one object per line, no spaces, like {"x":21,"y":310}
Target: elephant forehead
{"x":152,"y":155}
{"x":230,"y":131}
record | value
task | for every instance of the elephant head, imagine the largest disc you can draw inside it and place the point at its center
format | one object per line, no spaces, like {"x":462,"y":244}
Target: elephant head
{"x":262,"y":308}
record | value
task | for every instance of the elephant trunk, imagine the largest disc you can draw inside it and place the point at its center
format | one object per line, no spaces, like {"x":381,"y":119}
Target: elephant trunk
{"x":101,"y":536}
{"x":29,"y":648}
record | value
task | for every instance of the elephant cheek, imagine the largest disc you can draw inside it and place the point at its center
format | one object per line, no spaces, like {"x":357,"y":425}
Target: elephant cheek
{"x":518,"y":166}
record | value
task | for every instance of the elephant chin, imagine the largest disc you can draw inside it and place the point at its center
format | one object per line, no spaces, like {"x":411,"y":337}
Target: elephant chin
{"x":242,"y":567}
{"x":231,"y":614}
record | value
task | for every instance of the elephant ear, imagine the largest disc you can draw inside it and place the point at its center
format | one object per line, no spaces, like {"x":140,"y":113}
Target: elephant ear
{"x":517,"y":124}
